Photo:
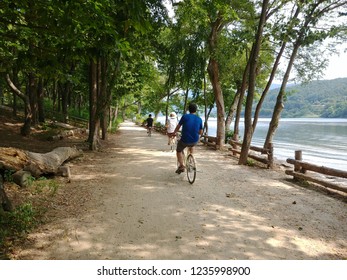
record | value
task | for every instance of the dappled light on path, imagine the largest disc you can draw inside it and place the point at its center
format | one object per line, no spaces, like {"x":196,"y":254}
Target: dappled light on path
{"x":142,"y":209}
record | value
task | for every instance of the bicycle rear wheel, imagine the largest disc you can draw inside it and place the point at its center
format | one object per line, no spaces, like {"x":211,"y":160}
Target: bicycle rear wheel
{"x":173,"y":144}
{"x":191,"y":168}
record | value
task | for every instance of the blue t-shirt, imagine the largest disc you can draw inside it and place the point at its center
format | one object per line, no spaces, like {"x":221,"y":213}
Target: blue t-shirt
{"x":191,"y":125}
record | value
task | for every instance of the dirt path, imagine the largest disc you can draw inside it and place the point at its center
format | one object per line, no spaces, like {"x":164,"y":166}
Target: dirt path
{"x":138,"y":208}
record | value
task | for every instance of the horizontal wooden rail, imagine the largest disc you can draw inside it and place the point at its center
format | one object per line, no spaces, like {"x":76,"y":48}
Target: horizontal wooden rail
{"x":301,"y":168}
{"x":319,"y":169}
{"x":209,"y":140}
{"x":268,"y":159}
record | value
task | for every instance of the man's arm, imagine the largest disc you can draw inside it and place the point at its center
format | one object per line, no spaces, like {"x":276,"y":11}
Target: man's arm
{"x":176,"y":129}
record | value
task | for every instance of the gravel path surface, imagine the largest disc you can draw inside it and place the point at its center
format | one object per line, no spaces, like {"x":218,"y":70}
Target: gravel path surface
{"x":137,"y":207}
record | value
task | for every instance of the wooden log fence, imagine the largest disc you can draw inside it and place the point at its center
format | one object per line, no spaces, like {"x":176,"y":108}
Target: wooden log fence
{"x":268,"y":159}
{"x":209,"y":141}
{"x":301,"y":168}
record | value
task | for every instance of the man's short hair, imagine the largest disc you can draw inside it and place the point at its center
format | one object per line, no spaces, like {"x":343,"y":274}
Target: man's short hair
{"x":192,"y":108}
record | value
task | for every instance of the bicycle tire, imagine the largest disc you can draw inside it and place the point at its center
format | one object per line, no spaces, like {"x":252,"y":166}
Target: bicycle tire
{"x":191,"y":168}
{"x":173,"y":144}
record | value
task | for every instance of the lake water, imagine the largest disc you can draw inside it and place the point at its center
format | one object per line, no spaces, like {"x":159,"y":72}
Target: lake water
{"x":322,"y":141}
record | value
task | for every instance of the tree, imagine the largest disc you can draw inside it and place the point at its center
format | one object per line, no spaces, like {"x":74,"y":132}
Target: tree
{"x":307,"y":32}
{"x":253,"y":63}
{"x":215,"y":20}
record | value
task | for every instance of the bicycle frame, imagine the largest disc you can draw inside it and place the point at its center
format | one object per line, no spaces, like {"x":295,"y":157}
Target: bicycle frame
{"x":190,"y":165}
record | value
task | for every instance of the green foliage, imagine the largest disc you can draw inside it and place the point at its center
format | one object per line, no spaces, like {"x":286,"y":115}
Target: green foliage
{"x":115,"y":125}
{"x":159,"y":125}
{"x":250,"y":162}
{"x":8,"y":175}
{"x":228,"y":136}
{"x":30,"y":180}
{"x":15,"y":224}
{"x":43,"y":184}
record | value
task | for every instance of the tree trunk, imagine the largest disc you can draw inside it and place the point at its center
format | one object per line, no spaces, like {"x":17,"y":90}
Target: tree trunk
{"x":40,"y":104}
{"x":65,"y":100}
{"x":32,"y":89}
{"x":267,"y":87}
{"x":36,"y":163}
{"x":185,"y":106}
{"x":279,"y":102}
{"x":104,"y":123}
{"x":54,"y":95}
{"x":93,"y":120}
{"x":207,"y":112}
{"x":232,"y":109}
{"x":213,"y":71}
{"x":17,"y":84}
{"x":2,"y":96}
{"x":244,"y":85}
{"x":25,"y":129}
{"x":5,"y":202}
{"x":248,"y":134}
{"x":280,"y":97}
{"x":272,"y":75}
{"x":104,"y":97}
{"x":167,"y":106}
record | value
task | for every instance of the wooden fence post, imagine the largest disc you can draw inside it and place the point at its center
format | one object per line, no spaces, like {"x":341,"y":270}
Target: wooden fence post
{"x":297,"y":167}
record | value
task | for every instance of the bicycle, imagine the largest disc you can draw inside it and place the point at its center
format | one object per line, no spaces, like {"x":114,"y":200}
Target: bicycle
{"x":190,"y":164}
{"x":149,"y":131}
{"x":173,"y":143}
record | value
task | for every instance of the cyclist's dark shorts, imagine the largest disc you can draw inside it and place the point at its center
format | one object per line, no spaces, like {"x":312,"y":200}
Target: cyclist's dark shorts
{"x":181,"y":145}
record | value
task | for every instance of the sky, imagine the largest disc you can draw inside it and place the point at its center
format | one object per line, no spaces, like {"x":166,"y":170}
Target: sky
{"x":337,"y":66}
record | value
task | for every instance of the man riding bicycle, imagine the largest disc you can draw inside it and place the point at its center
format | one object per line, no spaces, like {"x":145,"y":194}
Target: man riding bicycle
{"x":149,"y":123}
{"x":191,"y":131}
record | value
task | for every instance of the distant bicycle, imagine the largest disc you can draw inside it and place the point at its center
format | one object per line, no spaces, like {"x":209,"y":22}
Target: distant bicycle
{"x":190,"y":165}
{"x":149,"y":131}
{"x":173,"y":143}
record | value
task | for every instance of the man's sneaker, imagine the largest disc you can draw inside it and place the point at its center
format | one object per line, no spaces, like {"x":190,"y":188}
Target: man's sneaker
{"x":180,"y":170}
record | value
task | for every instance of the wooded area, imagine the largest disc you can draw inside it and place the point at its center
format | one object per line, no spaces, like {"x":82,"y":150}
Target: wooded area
{"x":99,"y":62}
{"x":317,"y":99}
{"x":105,"y":60}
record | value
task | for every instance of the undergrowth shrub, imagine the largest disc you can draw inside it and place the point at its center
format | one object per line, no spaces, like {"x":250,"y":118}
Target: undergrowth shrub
{"x":17,"y":223}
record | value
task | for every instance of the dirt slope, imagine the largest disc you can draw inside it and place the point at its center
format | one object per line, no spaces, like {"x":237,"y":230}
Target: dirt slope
{"x":132,"y":205}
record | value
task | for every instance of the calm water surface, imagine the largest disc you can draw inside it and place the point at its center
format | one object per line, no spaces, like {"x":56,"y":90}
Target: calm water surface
{"x":322,"y":141}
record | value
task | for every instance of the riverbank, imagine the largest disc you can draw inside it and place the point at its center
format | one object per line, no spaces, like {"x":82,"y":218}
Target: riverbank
{"x":323,"y":141}
{"x":135,"y":206}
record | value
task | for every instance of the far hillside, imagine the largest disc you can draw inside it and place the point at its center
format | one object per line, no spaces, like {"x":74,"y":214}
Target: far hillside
{"x":318,"y":99}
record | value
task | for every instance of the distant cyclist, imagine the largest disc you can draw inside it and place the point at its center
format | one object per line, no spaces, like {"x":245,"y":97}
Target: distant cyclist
{"x":170,"y":126}
{"x":191,"y":132}
{"x":149,"y":123}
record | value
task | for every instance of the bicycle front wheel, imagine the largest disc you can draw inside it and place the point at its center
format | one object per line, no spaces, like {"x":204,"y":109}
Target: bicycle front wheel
{"x":191,"y":168}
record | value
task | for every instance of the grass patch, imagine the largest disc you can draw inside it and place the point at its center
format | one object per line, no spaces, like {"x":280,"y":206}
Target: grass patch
{"x":250,"y":162}
{"x":28,"y":214}
{"x":44,"y":185}
{"x":15,"y":225}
